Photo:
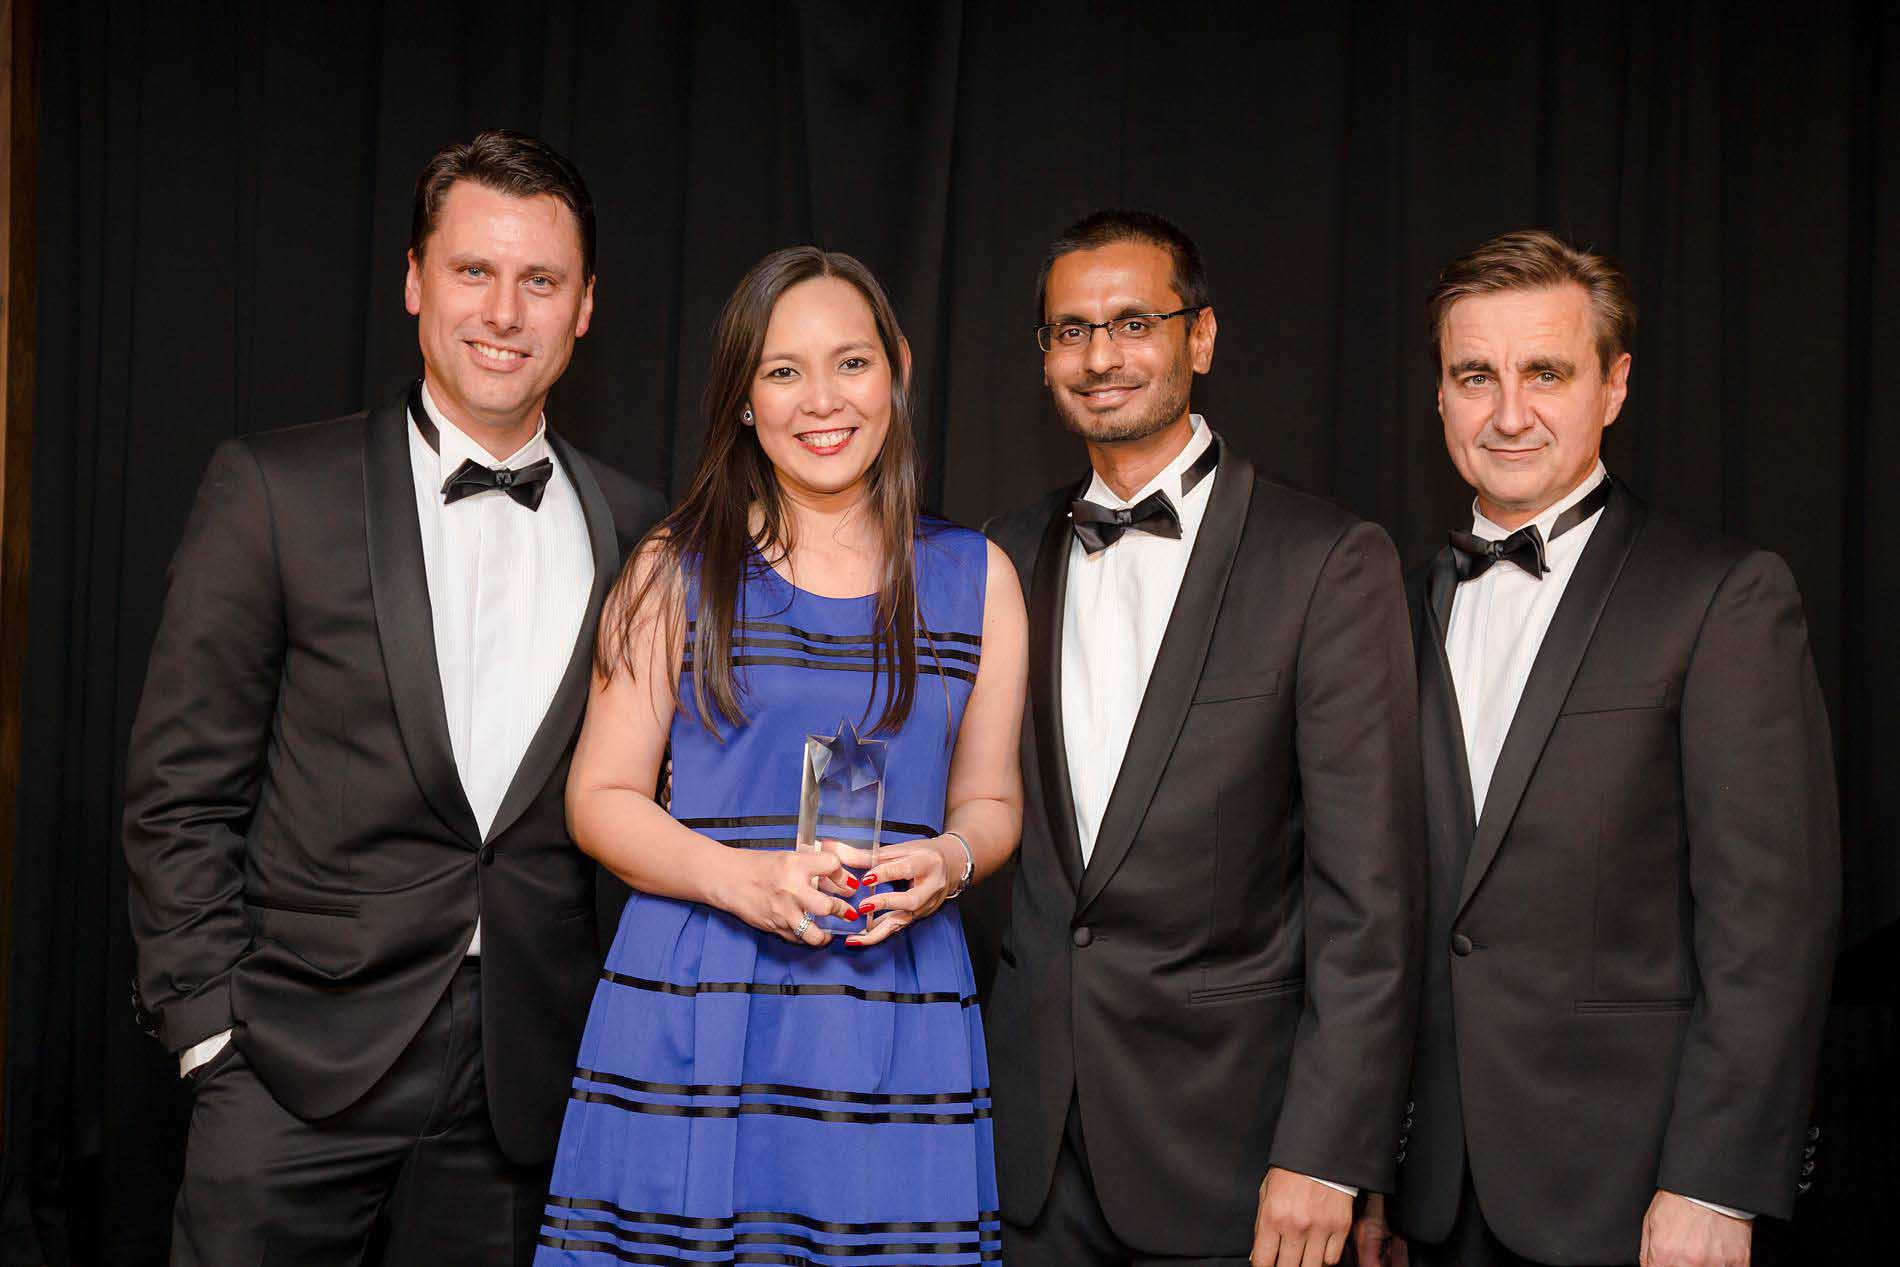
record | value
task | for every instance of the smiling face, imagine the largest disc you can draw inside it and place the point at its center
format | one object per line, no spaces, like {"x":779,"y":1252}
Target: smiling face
{"x":500,"y":294}
{"x":821,"y":396}
{"x":1117,"y":390}
{"x":1523,"y":397}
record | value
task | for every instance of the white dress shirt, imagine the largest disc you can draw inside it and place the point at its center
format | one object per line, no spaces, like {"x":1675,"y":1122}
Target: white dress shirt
{"x":508,"y":590}
{"x":1498,"y":623}
{"x":1115,"y":612}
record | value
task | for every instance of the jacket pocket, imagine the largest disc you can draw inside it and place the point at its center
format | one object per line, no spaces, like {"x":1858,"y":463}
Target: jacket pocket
{"x":340,"y":910}
{"x":325,"y":936}
{"x":1226,"y":686}
{"x":1617,"y":697}
{"x":1626,"y":1007}
{"x":1246,"y":990}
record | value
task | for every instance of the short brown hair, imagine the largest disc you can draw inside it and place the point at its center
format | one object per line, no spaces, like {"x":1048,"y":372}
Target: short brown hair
{"x":511,"y":163}
{"x":1532,"y":259}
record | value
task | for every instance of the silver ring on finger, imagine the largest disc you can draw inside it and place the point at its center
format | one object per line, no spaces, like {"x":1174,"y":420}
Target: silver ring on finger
{"x":798,"y":929}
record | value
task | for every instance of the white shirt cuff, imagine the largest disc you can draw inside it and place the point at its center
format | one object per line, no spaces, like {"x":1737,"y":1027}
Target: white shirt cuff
{"x":1346,"y":1188}
{"x":198,"y":1053}
{"x":1719,"y":1209}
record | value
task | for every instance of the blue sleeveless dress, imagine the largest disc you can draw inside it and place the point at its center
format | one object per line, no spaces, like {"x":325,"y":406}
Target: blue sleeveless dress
{"x":740,"y":1099}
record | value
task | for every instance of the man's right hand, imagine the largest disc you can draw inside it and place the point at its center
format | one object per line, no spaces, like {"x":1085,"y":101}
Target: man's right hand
{"x":1374,"y":1242}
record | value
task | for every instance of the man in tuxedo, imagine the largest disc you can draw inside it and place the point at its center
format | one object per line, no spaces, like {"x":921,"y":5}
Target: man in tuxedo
{"x":1634,"y":860}
{"x":1201,"y":1019}
{"x":360,"y":921}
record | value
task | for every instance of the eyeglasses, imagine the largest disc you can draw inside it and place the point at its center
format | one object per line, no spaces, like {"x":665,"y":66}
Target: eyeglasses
{"x":1073,"y":336}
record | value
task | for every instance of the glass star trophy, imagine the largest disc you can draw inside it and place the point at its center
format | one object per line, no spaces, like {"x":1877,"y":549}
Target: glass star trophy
{"x":842,"y":787}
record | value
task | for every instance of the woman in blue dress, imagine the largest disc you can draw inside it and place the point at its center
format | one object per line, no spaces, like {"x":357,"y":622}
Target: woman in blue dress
{"x":754,"y":1087}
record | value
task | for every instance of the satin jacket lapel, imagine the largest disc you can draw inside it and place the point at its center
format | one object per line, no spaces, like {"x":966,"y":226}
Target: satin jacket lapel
{"x":1549,"y":683}
{"x":1444,"y":728}
{"x":1047,"y":597}
{"x":1177,"y":669}
{"x":399,"y":587}
{"x":558,"y":724}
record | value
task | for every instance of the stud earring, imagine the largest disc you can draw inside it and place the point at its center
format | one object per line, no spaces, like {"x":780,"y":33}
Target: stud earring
{"x":746,"y":417}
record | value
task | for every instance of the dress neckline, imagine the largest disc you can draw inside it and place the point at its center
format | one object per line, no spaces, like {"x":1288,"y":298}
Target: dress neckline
{"x":767,"y":569}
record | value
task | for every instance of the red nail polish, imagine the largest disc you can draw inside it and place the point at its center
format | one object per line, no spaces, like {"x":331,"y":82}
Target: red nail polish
{"x":851,"y":881}
{"x":851,"y":914}
{"x":854,"y":941}
{"x":870,"y":879}
{"x":866,"y":909}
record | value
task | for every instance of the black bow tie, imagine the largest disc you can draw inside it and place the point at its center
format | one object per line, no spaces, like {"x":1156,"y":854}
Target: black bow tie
{"x":1473,"y":555}
{"x":525,"y":485}
{"x":1097,"y":526}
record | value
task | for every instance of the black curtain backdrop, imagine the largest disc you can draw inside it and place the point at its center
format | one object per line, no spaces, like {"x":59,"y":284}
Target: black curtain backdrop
{"x":225,"y":201}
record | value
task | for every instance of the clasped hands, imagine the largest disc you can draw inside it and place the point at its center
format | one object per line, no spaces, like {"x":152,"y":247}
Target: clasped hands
{"x":1676,"y":1233}
{"x":785,"y":892}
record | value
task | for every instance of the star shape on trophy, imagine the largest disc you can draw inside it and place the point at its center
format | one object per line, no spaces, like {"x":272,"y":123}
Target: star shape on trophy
{"x":852,"y":762}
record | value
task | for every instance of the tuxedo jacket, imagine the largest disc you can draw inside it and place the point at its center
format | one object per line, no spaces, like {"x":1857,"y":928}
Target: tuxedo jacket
{"x":1628,"y":955}
{"x":1230,"y":982}
{"x":304,"y":863}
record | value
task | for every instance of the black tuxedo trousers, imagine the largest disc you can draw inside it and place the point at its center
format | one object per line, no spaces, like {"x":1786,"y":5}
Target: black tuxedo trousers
{"x":1627,"y":957}
{"x":1229,"y":984}
{"x":305,"y":867}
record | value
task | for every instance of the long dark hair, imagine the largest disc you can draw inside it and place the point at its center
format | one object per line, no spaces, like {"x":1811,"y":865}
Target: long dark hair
{"x":711,"y":528}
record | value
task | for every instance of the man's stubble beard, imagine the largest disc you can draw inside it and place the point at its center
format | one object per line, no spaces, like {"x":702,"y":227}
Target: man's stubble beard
{"x":1170,"y":397}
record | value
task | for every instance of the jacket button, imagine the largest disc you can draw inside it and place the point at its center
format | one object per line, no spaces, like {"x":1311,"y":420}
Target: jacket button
{"x":487,"y":855}
{"x":1814,"y":1132}
{"x":1082,"y":936}
{"x":1460,"y":945}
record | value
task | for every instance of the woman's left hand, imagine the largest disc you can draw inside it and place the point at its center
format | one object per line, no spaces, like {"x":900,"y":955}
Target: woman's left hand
{"x":926,"y":864}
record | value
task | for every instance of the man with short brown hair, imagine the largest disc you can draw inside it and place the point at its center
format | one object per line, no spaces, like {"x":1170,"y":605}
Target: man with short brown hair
{"x":1634,"y":853}
{"x":361,"y":924}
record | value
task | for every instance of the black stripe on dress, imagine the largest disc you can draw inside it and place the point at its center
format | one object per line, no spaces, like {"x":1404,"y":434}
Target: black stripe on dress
{"x":789,"y":1240}
{"x":841,"y":1116}
{"x":847,"y":653}
{"x":791,"y":820}
{"x":766,"y":626}
{"x":668,"y":1260}
{"x":989,"y":1217}
{"x":778,"y":1088}
{"x":842,"y":666}
{"x":767,"y":988}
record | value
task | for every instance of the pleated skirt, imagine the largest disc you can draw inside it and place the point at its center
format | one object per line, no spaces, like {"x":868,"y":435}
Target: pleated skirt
{"x":742,"y":1100}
